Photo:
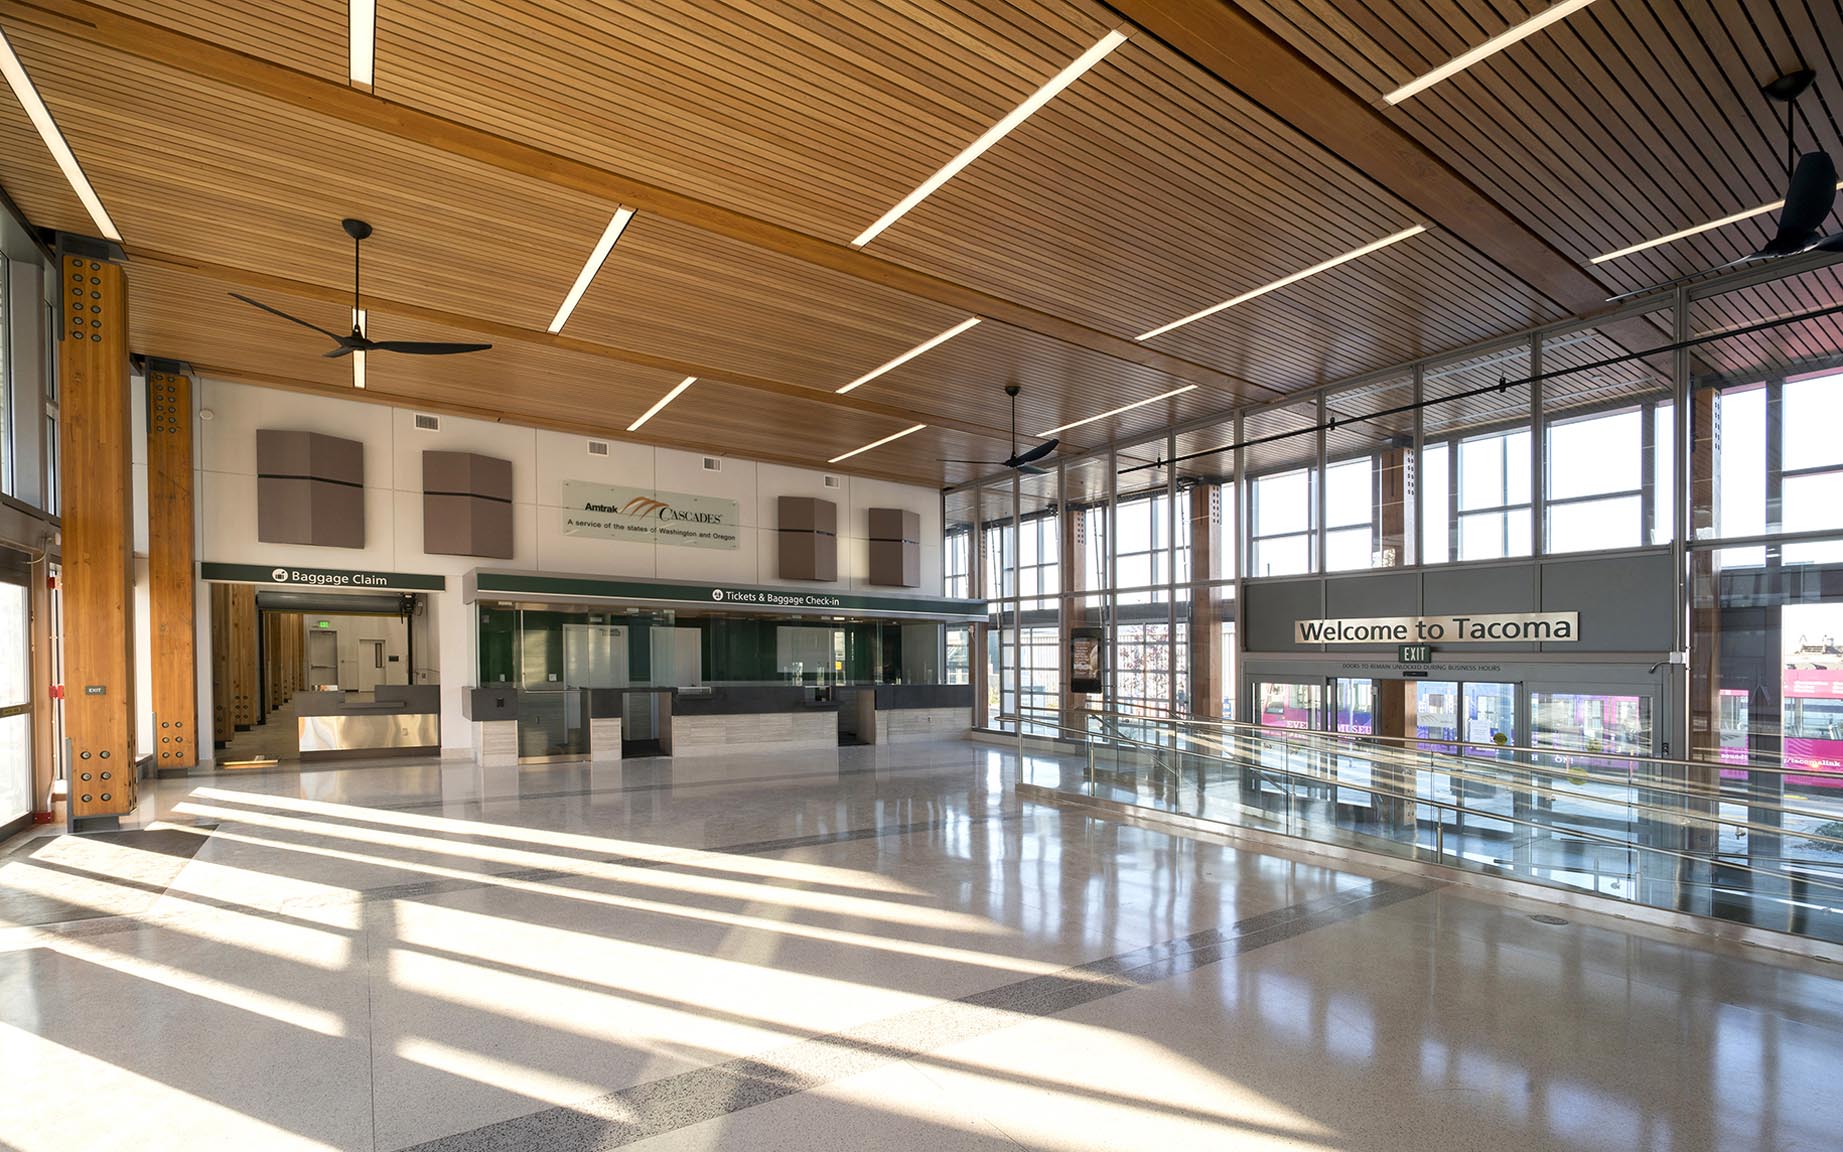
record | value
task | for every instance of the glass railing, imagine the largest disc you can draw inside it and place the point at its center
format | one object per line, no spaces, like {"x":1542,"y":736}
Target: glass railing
{"x":1679,"y":835}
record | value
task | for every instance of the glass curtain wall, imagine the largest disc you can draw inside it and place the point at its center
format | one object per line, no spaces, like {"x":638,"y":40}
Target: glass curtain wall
{"x":1765,"y":567}
{"x":1724,"y":452}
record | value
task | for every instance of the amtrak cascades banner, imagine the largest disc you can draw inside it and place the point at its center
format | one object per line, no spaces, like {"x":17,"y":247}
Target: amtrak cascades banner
{"x":1500,"y":628}
{"x":643,"y":516}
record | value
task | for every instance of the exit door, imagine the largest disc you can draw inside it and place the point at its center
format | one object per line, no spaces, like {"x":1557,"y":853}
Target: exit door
{"x":323,"y":658}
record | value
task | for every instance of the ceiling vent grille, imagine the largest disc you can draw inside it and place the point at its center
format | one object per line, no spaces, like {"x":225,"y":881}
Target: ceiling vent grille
{"x":428,"y":423}
{"x":832,"y":481}
{"x":598,"y":447}
{"x":713,"y":464}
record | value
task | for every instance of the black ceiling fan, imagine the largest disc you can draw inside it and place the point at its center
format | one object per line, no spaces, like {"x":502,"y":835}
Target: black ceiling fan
{"x":1811,"y":192}
{"x":1022,"y":461}
{"x":358,"y":341}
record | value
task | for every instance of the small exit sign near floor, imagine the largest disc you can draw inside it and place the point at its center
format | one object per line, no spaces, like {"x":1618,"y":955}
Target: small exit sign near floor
{"x":1414,"y":653}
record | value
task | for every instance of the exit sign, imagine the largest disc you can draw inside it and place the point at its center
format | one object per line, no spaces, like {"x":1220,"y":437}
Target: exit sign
{"x":1414,"y":653}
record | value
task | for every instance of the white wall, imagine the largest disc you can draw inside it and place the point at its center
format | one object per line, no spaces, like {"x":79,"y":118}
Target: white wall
{"x":350,"y":630}
{"x":541,"y":461}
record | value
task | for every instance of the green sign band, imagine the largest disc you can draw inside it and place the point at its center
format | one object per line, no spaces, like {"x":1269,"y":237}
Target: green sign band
{"x":292,"y":576}
{"x":722,"y":595}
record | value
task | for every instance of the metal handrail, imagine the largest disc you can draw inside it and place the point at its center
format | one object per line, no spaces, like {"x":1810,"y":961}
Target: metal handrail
{"x":1628,"y":756}
{"x":1414,"y":798}
{"x":1666,"y":788}
{"x":1349,"y":747}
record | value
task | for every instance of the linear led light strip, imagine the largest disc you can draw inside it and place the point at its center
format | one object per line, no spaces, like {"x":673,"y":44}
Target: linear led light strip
{"x":877,"y":443}
{"x":663,"y":401}
{"x":911,"y":354}
{"x":1122,"y":408}
{"x":995,"y":133}
{"x":54,"y":139}
{"x":1558,"y":11}
{"x":1285,"y":280}
{"x":361,"y":39}
{"x":584,"y":278}
{"x":1697,"y":230}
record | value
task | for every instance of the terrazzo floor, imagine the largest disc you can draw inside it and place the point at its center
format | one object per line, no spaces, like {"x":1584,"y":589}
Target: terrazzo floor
{"x":877,"y":948}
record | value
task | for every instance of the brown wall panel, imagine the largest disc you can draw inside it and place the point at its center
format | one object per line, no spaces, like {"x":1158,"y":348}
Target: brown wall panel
{"x":171,"y":572}
{"x":97,"y":512}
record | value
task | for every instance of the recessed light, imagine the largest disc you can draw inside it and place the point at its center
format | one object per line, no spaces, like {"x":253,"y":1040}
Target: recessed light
{"x":1122,"y":408}
{"x":361,"y":39}
{"x":1285,"y":280}
{"x":1697,"y":230}
{"x":605,"y":245}
{"x":911,"y":353}
{"x":663,"y":401}
{"x":1560,"y":10}
{"x":877,"y":443}
{"x":995,"y":133}
{"x":54,"y":139}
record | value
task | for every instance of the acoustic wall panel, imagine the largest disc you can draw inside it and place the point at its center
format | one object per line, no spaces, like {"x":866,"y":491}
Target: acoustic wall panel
{"x":895,"y":548}
{"x":807,"y":538}
{"x":310,"y":489}
{"x":466,"y":505}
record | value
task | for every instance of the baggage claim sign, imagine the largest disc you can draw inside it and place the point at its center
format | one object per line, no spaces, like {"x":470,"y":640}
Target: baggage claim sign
{"x":1502,"y":628}
{"x":644,"y":516}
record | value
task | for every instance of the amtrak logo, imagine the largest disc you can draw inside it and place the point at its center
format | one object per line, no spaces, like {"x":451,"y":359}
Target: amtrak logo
{"x":644,"y":506}
{"x":280,"y":575}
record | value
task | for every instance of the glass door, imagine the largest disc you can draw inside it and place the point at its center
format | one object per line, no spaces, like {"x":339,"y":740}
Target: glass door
{"x":1354,"y":706}
{"x":15,"y":702}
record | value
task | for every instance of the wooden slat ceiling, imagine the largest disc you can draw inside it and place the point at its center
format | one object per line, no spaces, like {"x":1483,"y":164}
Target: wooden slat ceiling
{"x":1147,"y":192}
{"x":195,"y":168}
{"x":1148,"y":189}
{"x":304,"y":36}
{"x":1628,"y":120}
{"x":814,"y":114}
{"x":1806,"y":344}
{"x":192,"y":319}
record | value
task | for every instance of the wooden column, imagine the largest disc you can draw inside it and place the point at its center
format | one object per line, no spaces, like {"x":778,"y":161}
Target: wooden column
{"x":1705,"y":617}
{"x":172,"y":577}
{"x":1205,"y":510}
{"x":98,"y":578}
{"x":223,"y":708}
{"x":1070,"y":539}
{"x":244,"y":669}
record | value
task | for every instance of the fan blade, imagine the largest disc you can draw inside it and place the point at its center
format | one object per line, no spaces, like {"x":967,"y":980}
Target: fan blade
{"x":342,"y":350}
{"x":1035,"y":454}
{"x":1808,"y":200}
{"x":987,"y":463}
{"x":1031,"y":470}
{"x":285,"y":316}
{"x":1830,"y":243}
{"x":424,"y":347}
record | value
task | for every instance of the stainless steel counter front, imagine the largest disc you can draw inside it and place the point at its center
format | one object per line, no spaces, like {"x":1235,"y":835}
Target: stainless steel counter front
{"x":394,"y":719}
